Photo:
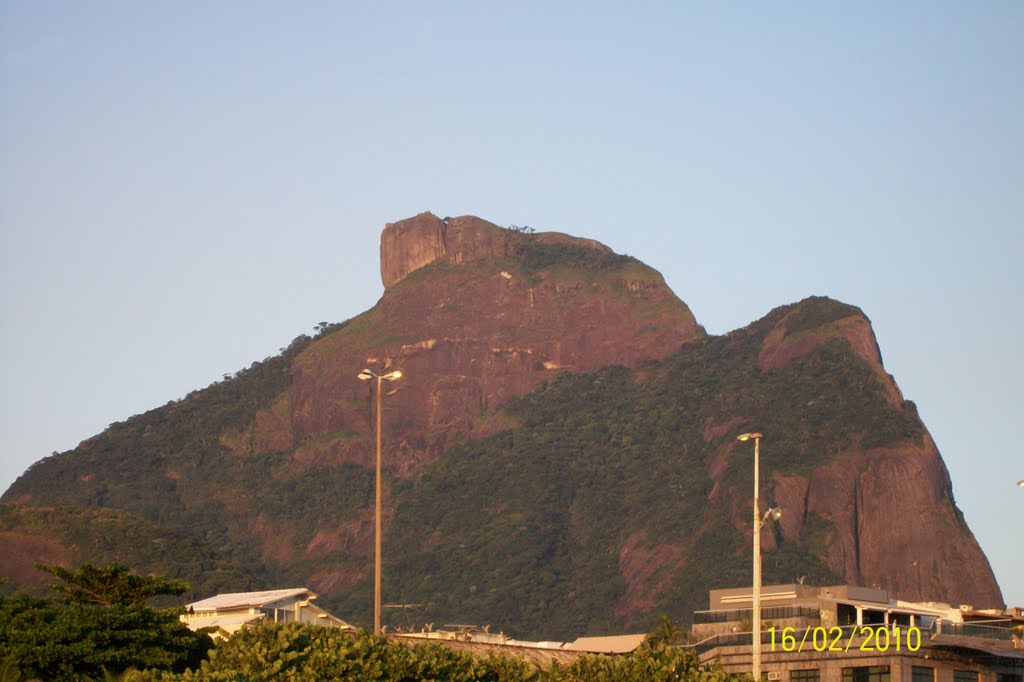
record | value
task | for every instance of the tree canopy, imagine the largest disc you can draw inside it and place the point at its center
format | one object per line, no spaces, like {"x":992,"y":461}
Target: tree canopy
{"x":110,"y":585}
{"x":100,"y":625}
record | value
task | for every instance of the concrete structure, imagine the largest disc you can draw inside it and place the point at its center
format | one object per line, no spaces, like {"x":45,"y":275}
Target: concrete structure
{"x":611,"y":644}
{"x":482,"y":642}
{"x":540,"y":657}
{"x":855,"y":634}
{"x":230,"y":612}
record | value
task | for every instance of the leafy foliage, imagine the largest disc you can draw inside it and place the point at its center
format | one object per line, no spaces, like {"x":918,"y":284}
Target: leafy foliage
{"x":296,"y":651}
{"x":111,"y":585}
{"x":101,"y":627}
{"x":302,"y":652}
{"x":666,"y":632}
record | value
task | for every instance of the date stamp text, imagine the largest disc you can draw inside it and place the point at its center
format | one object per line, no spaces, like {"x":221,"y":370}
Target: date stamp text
{"x":872,"y":638}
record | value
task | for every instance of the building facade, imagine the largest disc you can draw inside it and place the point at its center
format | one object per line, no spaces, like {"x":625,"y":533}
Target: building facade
{"x":230,"y":612}
{"x":845,"y":633}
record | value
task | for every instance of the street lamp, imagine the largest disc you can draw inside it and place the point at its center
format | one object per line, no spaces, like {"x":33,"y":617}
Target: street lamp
{"x":773,"y":513}
{"x":366,"y":375}
{"x":1020,"y":483}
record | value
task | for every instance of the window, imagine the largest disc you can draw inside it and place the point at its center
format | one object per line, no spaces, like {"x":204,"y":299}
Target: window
{"x":873,"y":617}
{"x":901,"y":619}
{"x":965,"y":676}
{"x":920,"y":673}
{"x":846,"y":614}
{"x":874,"y":673}
{"x":813,"y":675}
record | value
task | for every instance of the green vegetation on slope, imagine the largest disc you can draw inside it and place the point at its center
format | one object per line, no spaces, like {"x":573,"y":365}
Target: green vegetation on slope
{"x":144,"y":448}
{"x":597,"y":512}
{"x":104,"y":536}
{"x":527,"y":528}
{"x":534,"y":254}
{"x":168,"y":467}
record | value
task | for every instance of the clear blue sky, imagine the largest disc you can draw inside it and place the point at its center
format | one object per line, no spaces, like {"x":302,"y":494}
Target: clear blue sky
{"x":185,"y":187}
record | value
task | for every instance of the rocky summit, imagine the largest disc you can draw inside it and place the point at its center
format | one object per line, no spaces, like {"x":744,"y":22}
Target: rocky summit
{"x":560,"y":453}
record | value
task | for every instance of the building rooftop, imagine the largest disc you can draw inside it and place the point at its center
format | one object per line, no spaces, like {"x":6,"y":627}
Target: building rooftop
{"x":613,"y":644}
{"x":247,"y":600}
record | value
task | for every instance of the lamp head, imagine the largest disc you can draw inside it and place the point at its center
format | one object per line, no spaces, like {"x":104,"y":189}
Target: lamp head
{"x":1020,"y":483}
{"x":775,"y":513}
{"x":744,"y":437}
{"x":366,"y":374}
{"x":391,"y":376}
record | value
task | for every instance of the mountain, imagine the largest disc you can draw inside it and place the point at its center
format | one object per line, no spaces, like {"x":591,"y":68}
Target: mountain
{"x":69,"y":535}
{"x":560,"y":453}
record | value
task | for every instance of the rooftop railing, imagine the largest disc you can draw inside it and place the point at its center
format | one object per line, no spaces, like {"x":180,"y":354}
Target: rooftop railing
{"x":973,"y":630}
{"x":770,"y":613}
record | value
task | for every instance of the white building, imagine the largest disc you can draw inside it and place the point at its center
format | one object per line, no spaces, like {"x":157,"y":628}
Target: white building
{"x":234,"y":610}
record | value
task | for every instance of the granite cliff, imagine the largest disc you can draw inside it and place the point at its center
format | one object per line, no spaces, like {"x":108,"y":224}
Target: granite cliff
{"x":472,"y":323}
{"x":560,"y":451}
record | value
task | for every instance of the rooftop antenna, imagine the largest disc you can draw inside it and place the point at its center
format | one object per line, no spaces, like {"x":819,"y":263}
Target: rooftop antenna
{"x":405,"y":609}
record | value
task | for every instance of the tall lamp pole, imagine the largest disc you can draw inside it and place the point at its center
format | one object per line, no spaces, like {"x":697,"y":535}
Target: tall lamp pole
{"x":759,"y":522}
{"x":366,"y":375}
{"x":757,"y":554}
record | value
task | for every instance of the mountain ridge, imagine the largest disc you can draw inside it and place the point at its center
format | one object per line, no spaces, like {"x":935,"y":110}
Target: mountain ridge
{"x":494,"y":328}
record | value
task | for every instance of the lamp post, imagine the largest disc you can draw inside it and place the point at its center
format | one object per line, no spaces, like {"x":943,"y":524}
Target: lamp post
{"x":366,"y":375}
{"x":759,"y":521}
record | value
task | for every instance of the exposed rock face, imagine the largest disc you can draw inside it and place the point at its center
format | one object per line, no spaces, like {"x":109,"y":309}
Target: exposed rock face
{"x":413,"y":243}
{"x":467,"y":340}
{"x":409,"y":245}
{"x":21,"y":554}
{"x":887,"y":528}
{"x":891,"y":509}
{"x":647,"y":572}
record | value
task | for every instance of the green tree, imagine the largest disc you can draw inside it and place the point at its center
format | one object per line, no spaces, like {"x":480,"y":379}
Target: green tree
{"x":9,"y":671}
{"x":109,"y":585}
{"x":295,"y":651}
{"x":299,"y":651}
{"x":99,"y":628}
{"x":666,"y":632}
